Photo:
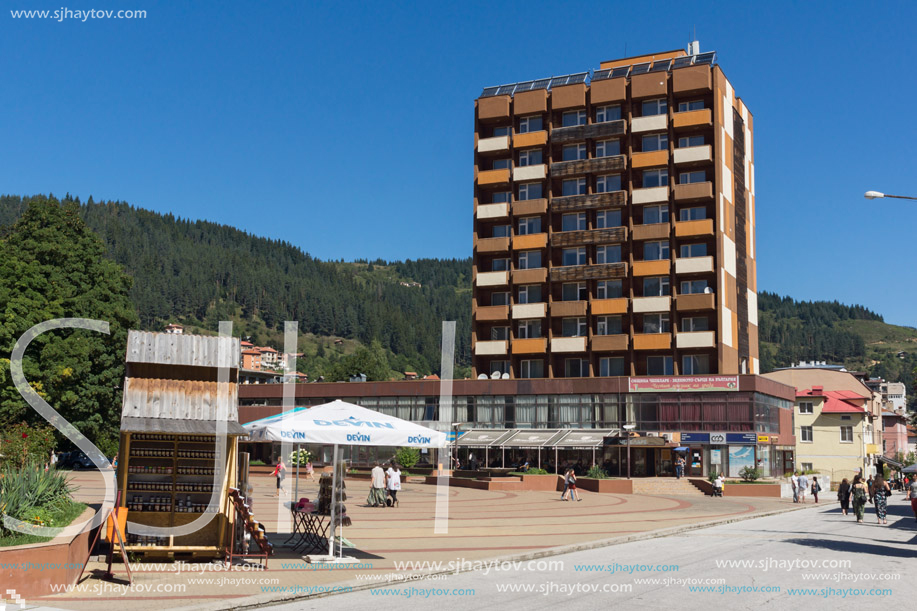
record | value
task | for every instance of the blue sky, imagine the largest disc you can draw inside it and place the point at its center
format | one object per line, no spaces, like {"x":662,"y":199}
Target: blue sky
{"x":347,"y":128}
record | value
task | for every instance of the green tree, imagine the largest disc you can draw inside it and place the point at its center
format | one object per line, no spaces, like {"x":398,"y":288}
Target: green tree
{"x":370,"y":360}
{"x":55,"y":267}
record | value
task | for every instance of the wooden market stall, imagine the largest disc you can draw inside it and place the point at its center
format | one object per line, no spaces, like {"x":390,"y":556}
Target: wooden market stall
{"x":169,"y":456}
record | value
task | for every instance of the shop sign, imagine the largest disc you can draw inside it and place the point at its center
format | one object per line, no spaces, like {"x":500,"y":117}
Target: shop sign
{"x":718,"y":439}
{"x":763,"y":439}
{"x":742,"y":438}
{"x":695,"y":438}
{"x":683,"y":384}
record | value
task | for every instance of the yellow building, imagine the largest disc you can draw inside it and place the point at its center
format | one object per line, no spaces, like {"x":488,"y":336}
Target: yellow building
{"x":832,"y":431}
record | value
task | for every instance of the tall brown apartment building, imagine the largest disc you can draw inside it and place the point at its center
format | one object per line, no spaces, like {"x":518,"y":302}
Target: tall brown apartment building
{"x":614,"y":225}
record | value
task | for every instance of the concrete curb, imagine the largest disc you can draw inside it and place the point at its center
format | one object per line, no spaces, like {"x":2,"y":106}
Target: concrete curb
{"x":261,"y":600}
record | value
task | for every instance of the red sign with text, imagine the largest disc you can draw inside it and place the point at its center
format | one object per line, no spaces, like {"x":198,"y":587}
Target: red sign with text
{"x":684,"y":384}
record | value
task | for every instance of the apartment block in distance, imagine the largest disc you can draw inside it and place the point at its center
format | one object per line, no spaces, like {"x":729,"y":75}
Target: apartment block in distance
{"x":614,"y":224}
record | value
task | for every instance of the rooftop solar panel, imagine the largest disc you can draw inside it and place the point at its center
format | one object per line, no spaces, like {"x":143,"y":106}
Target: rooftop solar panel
{"x":640,"y":69}
{"x":705,"y":58}
{"x":489,"y":91}
{"x":524,"y":86}
{"x":541,"y":83}
{"x":578,"y":78}
{"x":506,"y":90}
{"x":661,"y":66}
{"x":601,"y":75}
{"x":559,"y":81}
{"x":619,"y":72}
{"x":681,"y":62}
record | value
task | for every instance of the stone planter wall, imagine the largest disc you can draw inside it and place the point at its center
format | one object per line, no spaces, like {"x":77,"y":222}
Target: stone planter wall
{"x":608,"y":486}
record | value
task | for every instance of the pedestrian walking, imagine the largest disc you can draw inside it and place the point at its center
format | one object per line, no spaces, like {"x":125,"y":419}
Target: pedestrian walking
{"x":280,"y":472}
{"x":802,"y":484}
{"x":816,"y":487}
{"x":393,"y":482}
{"x":563,"y":495}
{"x":843,"y":495}
{"x":912,"y":495}
{"x":860,"y":494}
{"x":679,"y":467}
{"x":376,"y":486}
{"x":794,"y":481}
{"x":472,"y":462}
{"x":310,"y":471}
{"x":880,"y":493}
{"x":571,"y":485}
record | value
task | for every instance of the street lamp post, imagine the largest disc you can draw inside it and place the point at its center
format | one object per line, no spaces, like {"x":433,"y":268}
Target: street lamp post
{"x":878,"y":195}
{"x":628,"y":428}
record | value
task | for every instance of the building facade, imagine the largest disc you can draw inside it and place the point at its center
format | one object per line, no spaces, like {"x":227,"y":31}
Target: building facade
{"x":832,"y":432}
{"x":614,"y":230}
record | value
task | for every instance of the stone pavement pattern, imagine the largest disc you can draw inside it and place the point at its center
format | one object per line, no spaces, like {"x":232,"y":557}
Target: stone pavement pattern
{"x":482,"y":525}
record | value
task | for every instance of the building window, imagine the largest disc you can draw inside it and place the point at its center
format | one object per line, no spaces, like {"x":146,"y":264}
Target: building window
{"x":574,"y":291}
{"x":608,"y":183}
{"x":530,"y":190}
{"x":605,"y":219}
{"x":608,"y":254}
{"x":607,"y":148}
{"x":501,"y":131}
{"x":607,"y":113}
{"x":655,"y":214}
{"x":499,"y":265}
{"x":689,"y":178}
{"x":611,"y":366}
{"x":660,"y":366}
{"x":573,"y":222}
{"x":531,"y":369}
{"x":656,"y":286}
{"x":499,"y":333}
{"x":499,"y":299}
{"x":573,"y":117}
{"x":501,"y":164}
{"x":806,"y":407}
{"x":573,"y":327}
{"x":805,"y":434}
{"x":695,"y":364}
{"x":576,"y":368}
{"x":656,"y":323}
{"x":574,"y":186}
{"x":656,"y":250}
{"x":529,"y":329}
{"x":529,"y":225}
{"x":501,"y":231}
{"x":845,"y":417}
{"x":692,"y":214}
{"x":573,"y":256}
{"x":847,"y":434}
{"x":654,"y":107}
{"x":574,"y":152}
{"x":500,"y":367}
{"x":500,"y":197}
{"x":688,"y":141}
{"x":530,"y":293}
{"x":655,"y":178}
{"x":655,"y":142}
{"x":609,"y":325}
{"x":694,"y":323}
{"x":693,"y":287}
{"x":609,"y":289}
{"x":530,"y":157}
{"x":530,"y":124}
{"x":687,"y":251}
{"x":529,"y":259}
{"x":692,"y":105}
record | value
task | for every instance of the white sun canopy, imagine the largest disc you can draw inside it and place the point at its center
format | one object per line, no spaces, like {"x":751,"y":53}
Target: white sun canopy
{"x":342,"y":423}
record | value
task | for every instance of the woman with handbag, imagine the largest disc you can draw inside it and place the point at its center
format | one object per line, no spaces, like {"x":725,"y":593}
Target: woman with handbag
{"x":880,"y":493}
{"x":860,"y":494}
{"x":816,"y":487}
{"x":843,"y":495}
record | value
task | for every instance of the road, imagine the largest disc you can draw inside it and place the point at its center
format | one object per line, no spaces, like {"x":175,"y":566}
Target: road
{"x":756,"y":564}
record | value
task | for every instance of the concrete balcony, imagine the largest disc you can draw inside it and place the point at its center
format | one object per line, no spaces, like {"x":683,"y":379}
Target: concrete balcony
{"x":652,"y":341}
{"x":692,"y":79}
{"x":653,"y":231}
{"x":493,"y":145}
{"x":538,"y":345}
{"x":693,"y":118}
{"x":530,"y":241}
{"x":491,"y":245}
{"x":694,"y":154}
{"x":652,"y":304}
{"x":560,"y":135}
{"x":529,"y":207}
{"x":491,"y":348}
{"x":529,"y":310}
{"x":493,"y":177}
{"x":649,"y":159}
{"x":492,"y":279}
{"x":617,"y":163}
{"x":530,"y":172}
{"x":650,"y":195}
{"x":700,"y":227}
{"x":569,"y":308}
{"x":609,"y":306}
{"x":695,"y":302}
{"x":693,"y":191}
{"x":600,"y":271}
{"x":492,"y":211}
{"x":694,"y":339}
{"x":648,"y":124}
{"x":610,"y":343}
{"x":494,"y":107}
{"x":693,"y":265}
{"x":491,"y":313}
{"x":568,"y":344}
{"x":652,"y":268}
{"x":570,"y":203}
{"x":530,"y":139}
{"x":613,"y":235}
{"x":536,"y":275}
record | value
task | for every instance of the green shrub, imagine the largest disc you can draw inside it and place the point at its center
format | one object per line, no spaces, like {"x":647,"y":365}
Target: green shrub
{"x":750,"y":474}
{"x":31,"y":492}
{"x":256,"y":463}
{"x":531,"y":471}
{"x":22,"y":444}
{"x":597,"y":472}
{"x":712,"y":475}
{"x":407,"y":457}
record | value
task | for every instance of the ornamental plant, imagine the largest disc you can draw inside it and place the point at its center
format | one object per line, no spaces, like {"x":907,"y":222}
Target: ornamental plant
{"x":597,"y":472}
{"x":300,"y":457}
{"x":407,"y":457}
{"x":21,"y":443}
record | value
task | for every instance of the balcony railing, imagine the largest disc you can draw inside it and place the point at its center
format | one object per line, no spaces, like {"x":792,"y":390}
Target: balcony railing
{"x":594,"y":236}
{"x":589,"y":202}
{"x":581,"y":132}
{"x":617,"y":163}
{"x":600,"y":271}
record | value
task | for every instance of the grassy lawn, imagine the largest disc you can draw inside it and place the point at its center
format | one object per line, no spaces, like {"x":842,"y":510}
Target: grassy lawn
{"x":60,"y":518}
